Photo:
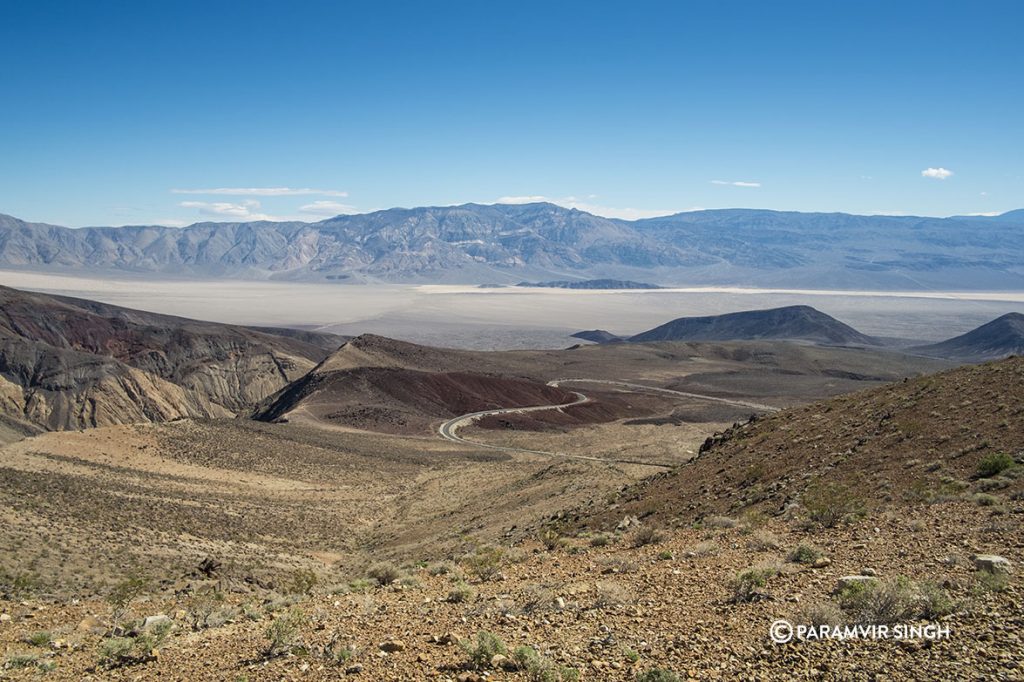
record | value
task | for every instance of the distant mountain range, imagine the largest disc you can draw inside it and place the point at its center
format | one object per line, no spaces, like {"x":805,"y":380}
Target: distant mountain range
{"x":505,"y":244}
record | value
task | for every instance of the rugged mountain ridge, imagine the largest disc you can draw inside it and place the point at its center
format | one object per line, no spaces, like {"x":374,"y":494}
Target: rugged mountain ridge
{"x":71,"y":363}
{"x":475,"y":243}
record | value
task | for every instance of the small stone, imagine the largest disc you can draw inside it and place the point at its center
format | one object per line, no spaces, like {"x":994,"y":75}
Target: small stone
{"x":500,"y":661}
{"x":560,"y":604}
{"x":354,"y":669}
{"x":822,"y":562}
{"x":870,"y":572}
{"x":992,"y":563}
{"x":5,"y":617}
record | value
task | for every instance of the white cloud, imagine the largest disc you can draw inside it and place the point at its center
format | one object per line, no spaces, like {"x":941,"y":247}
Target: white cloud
{"x":246,"y":210}
{"x":737,"y":183}
{"x":985,"y":214}
{"x":589,"y":207}
{"x":264,"y":191}
{"x":327,"y":208}
{"x":936,"y":173}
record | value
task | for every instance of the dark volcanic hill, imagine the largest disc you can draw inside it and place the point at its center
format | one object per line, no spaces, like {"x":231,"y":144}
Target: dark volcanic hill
{"x":379,"y":384}
{"x":72,"y":363}
{"x":798,"y":322}
{"x":598,"y":336}
{"x":504,"y":244}
{"x":999,"y":338}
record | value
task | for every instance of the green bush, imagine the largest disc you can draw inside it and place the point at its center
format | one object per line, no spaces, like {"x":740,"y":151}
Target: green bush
{"x":747,"y":584}
{"x":487,"y":646}
{"x":540,"y":669}
{"x":994,"y":464}
{"x":804,"y":554}
{"x":123,"y":594}
{"x":384,"y":573}
{"x":872,"y":602}
{"x":302,"y":581}
{"x":485,"y":562}
{"x":283,"y":633}
{"x":657,"y":675}
{"x":461,"y":593}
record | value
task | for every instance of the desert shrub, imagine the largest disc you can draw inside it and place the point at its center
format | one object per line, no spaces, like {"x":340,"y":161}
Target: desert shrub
{"x":21,"y":660}
{"x":362,"y":585}
{"x":608,"y":594}
{"x":871,"y":602}
{"x":647,"y":535}
{"x":40,"y":639}
{"x":994,"y":464}
{"x":617,"y":564}
{"x":337,"y":653}
{"x":985,"y":499}
{"x":18,"y":584}
{"x":120,"y":651}
{"x":830,"y":504}
{"x":283,"y":632}
{"x":935,"y":602}
{"x":600,"y":540}
{"x":540,"y":669}
{"x":747,"y":585}
{"x":440,"y":568}
{"x":487,"y":646}
{"x":820,"y":613}
{"x":551,"y":539}
{"x":720,"y":522}
{"x":461,"y":593}
{"x":537,"y":598}
{"x":657,"y":675}
{"x":123,"y":594}
{"x":804,"y":554}
{"x":706,"y":548}
{"x":763,"y":541}
{"x":485,"y":562}
{"x":384,"y":573}
{"x":302,"y":581}
{"x":665,"y":555}
{"x":985,"y":582}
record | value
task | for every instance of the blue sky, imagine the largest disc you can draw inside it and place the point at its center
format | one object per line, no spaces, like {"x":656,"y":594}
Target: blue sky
{"x":134,"y":112}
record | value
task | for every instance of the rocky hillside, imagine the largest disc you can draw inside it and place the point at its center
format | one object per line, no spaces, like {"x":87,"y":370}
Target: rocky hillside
{"x":937,"y":437}
{"x":798,"y":322}
{"x":999,"y":338}
{"x":504,"y":244}
{"x":70,"y":363}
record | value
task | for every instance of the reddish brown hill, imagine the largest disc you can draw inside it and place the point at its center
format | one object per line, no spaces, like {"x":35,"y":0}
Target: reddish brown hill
{"x":399,"y":400}
{"x":910,"y":441}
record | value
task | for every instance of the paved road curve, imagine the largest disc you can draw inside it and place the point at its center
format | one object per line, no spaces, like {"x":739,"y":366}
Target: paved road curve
{"x":449,"y":429}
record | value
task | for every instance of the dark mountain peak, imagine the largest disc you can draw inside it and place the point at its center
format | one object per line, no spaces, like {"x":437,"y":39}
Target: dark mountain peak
{"x":999,"y":338}
{"x":797,"y":322}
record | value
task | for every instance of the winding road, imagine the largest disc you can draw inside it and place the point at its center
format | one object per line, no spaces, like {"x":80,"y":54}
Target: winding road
{"x":449,"y":429}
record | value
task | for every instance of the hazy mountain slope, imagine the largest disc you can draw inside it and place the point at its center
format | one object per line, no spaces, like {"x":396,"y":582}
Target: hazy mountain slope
{"x":792,"y":322}
{"x":999,"y":338}
{"x":70,"y":362}
{"x":473,"y":243}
